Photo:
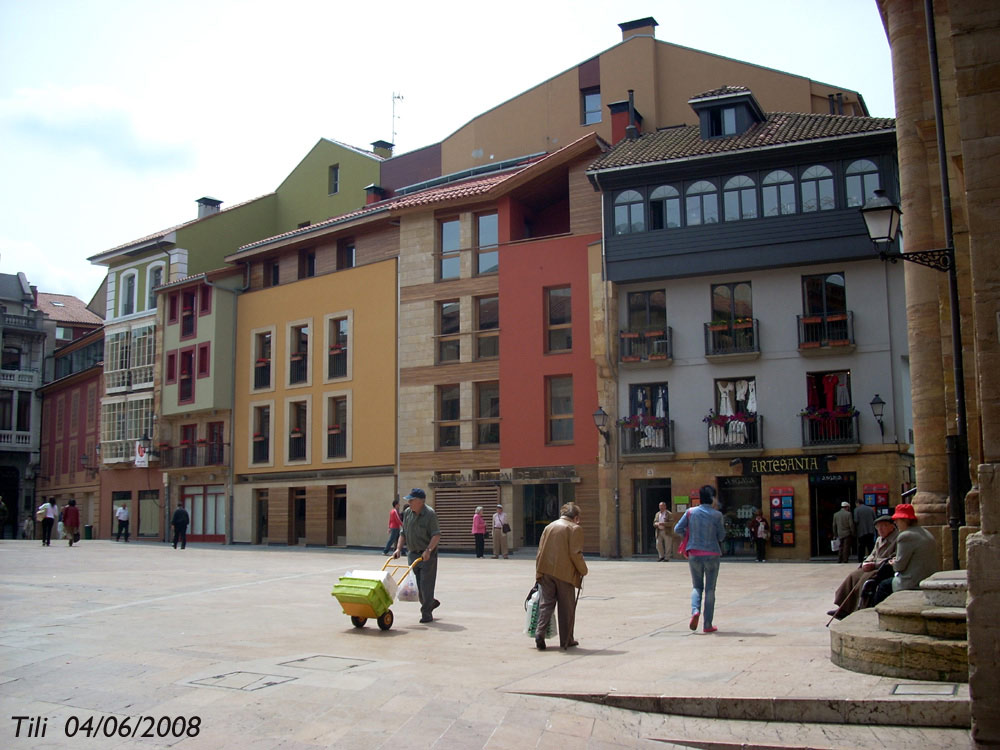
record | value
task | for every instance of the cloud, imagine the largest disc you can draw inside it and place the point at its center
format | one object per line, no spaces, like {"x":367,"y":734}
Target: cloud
{"x":89,"y":119}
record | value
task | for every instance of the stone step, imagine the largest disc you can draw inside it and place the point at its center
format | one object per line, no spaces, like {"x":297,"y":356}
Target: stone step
{"x":859,"y":644}
{"x":949,"y":588}
{"x":909,"y":612}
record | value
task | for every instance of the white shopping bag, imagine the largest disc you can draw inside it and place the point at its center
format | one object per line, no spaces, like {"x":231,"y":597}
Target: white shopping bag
{"x":408,"y":591}
{"x":531,"y":619}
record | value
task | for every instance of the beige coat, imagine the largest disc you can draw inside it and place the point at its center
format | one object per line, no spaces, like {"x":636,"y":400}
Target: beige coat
{"x":560,"y":552}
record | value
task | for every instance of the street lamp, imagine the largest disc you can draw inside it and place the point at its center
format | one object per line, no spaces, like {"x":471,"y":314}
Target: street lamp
{"x":878,"y":409}
{"x":600,"y":422}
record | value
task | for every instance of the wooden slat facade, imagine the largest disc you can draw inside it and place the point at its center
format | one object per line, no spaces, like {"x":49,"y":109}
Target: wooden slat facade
{"x":455,"y":506}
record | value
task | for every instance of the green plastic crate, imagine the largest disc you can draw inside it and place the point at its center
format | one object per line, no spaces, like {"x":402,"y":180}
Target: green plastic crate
{"x":362,"y":591}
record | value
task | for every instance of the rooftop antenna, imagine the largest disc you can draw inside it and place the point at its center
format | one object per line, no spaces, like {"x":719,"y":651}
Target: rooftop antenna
{"x":395,"y":97}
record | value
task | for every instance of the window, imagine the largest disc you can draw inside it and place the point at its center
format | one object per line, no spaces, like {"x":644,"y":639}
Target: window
{"x":739,"y":197}
{"x":590,"y":106}
{"x":334,"y":179}
{"x":298,"y":430}
{"x":207,"y":507}
{"x":204,"y":300}
{"x":487,"y":256}
{"x":261,"y":434}
{"x":722,"y":121}
{"x":731,"y":302}
{"x":172,"y":307}
{"x":647,"y":311}
{"x":450,"y":263}
{"x":189,"y":445}
{"x":127,"y":306}
{"x":298,"y":358}
{"x":336,"y":427}
{"x":488,"y":414}
{"x":74,"y":413}
{"x":824,"y":294}
{"x":204,"y":359}
{"x":155,"y":279}
{"x":185,"y":391}
{"x":116,"y":360}
{"x":262,"y":360}
{"x":648,"y":401}
{"x":143,"y":354}
{"x":736,"y":423}
{"x":338,"y":335}
{"x":816,"y":187}
{"x":6,"y":410}
{"x":449,"y":412}
{"x":11,"y":358}
{"x":487,"y":327}
{"x":559,"y":319}
{"x":629,"y":213}
{"x":272,"y":275}
{"x":449,"y":345}
{"x":559,"y":409}
{"x":664,"y":208}
{"x":189,"y":300}
{"x":60,"y":415}
{"x":702,"y":203}
{"x":862,"y":180}
{"x":24,"y":399}
{"x":778,"y":193}
{"x":345,"y":254}
{"x":171,"y":368}
{"x":307,"y":264}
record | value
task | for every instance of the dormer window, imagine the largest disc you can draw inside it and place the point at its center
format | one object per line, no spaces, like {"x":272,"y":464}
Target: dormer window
{"x":722,"y":121}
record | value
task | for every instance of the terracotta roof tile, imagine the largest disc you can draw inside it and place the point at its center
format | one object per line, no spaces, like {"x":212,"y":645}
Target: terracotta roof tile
{"x":721,"y":91}
{"x":780,"y":128}
{"x":65,"y":308}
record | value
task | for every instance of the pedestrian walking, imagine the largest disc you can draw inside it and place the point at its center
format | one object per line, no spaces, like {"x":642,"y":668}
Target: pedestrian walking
{"x":479,"y":530}
{"x":706,"y":531}
{"x":500,"y":530}
{"x":843,"y":531}
{"x":758,"y":532}
{"x":71,"y":521}
{"x":559,"y":571}
{"x":122,"y":515}
{"x":48,"y":513}
{"x":421,"y":534}
{"x":864,"y":527}
{"x":395,"y":524}
{"x":180,"y":521}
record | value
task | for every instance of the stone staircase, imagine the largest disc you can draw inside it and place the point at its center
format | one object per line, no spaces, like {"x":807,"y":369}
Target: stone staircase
{"x":919,"y":635}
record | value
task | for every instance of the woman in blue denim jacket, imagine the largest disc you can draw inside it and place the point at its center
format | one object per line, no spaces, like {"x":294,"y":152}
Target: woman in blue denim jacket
{"x":706,"y":531}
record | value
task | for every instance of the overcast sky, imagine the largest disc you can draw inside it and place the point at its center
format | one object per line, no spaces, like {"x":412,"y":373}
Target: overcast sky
{"x":116,"y":115}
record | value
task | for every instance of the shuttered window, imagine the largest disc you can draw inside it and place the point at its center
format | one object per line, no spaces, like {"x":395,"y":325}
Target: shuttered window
{"x":454,"y":507}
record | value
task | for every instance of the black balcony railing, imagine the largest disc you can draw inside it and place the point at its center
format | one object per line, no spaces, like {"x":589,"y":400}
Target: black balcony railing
{"x":830,"y":428}
{"x":646,"y":346}
{"x":831,"y":330}
{"x":193,"y":455}
{"x":262,"y":374}
{"x":736,"y":433}
{"x":734,"y":337}
{"x":298,"y":368}
{"x":296,"y":446}
{"x":336,"y":444}
{"x":261,"y":451}
{"x":639,"y":436}
{"x":337,"y":362}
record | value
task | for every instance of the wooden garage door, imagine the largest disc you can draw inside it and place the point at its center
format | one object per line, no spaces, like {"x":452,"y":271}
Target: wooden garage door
{"x":455,"y":506}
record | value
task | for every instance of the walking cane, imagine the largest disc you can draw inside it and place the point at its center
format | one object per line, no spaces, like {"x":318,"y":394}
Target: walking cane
{"x":847,"y":599}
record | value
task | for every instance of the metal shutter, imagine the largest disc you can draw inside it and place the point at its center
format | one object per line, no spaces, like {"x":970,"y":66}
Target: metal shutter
{"x":455,"y":506}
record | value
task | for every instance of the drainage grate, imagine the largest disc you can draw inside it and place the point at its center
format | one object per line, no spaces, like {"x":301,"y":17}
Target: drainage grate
{"x":326,"y":663}
{"x":242,"y":680}
{"x":920,"y":689}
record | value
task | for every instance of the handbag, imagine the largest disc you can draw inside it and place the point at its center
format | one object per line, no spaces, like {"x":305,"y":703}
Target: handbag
{"x":683,"y":546}
{"x":39,"y":515}
{"x":506,"y":528}
{"x":835,"y":545}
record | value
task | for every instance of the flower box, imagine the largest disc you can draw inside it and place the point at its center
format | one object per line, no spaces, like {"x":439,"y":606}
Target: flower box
{"x":653,"y":334}
{"x":333,"y":430}
{"x":258,"y":437}
{"x":718,"y":326}
{"x":747,"y":324}
{"x":809,"y":345}
{"x":836,"y":317}
{"x":657,"y":356}
{"x":337,"y":349}
{"x":263,"y":361}
{"x":628,"y":335}
{"x":631,"y":358}
{"x":840,"y":342}
{"x":812,"y":319}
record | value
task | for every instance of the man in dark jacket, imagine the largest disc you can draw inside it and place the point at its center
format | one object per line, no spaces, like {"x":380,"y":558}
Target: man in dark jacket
{"x":180,"y":522}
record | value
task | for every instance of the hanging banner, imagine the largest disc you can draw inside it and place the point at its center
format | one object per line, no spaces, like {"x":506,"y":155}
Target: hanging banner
{"x":141,"y":456}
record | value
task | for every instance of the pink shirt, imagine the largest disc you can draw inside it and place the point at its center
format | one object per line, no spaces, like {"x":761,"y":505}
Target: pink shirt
{"x":478,"y":524}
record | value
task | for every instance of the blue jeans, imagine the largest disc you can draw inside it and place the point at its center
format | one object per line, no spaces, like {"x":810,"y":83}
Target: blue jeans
{"x":704,"y":573}
{"x":390,"y":545}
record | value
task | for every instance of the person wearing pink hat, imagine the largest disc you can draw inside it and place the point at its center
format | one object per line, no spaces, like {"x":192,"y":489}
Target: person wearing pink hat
{"x":916,"y":554}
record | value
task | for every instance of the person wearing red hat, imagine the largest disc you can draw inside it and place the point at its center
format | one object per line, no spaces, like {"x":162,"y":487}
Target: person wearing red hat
{"x":916,"y":554}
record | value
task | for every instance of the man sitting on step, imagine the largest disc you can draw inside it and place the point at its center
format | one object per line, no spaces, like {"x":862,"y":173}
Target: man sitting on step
{"x":916,"y":555}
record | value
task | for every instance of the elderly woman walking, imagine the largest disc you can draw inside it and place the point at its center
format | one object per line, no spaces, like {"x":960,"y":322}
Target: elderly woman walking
{"x":705,"y":533}
{"x":479,"y":530}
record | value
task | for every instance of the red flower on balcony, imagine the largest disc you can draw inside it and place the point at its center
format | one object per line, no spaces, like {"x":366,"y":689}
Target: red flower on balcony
{"x":263,"y":361}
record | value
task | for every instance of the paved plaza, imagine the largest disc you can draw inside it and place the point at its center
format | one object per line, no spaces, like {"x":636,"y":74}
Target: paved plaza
{"x":243,"y":647}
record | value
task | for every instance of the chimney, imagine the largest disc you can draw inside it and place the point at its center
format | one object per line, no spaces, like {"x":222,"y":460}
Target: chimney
{"x":208,"y":206}
{"x":382,"y":148}
{"x":631,"y":131}
{"x":374,"y":193}
{"x":640,"y":27}
{"x":622,"y":116}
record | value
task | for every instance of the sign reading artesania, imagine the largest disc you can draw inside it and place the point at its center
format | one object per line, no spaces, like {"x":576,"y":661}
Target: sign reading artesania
{"x":784,"y":465}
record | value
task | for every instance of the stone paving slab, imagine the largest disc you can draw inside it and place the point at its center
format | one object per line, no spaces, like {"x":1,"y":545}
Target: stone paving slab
{"x":250,"y":641}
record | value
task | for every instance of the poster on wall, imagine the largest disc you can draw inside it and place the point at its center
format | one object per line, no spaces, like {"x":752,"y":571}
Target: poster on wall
{"x":877,"y":496}
{"x":782,"y":500}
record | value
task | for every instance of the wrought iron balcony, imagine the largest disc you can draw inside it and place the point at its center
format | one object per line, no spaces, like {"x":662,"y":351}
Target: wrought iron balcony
{"x":298,"y":368}
{"x":646,"y":435}
{"x":821,"y":428}
{"x":193,"y":455}
{"x":336,"y":443}
{"x":261,"y":450}
{"x":736,"y":433}
{"x":646,"y":346}
{"x":823,"y":334}
{"x":262,"y":374}
{"x":337,"y":362}
{"x":732,"y":339}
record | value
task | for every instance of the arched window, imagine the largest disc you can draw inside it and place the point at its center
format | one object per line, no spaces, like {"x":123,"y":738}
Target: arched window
{"x":862,"y":181}
{"x":739,"y":197}
{"x":778,"y":193}
{"x":628,"y":213}
{"x":816,"y":187}
{"x":126,"y":293}
{"x":702,"y":203}
{"x":664,"y":208}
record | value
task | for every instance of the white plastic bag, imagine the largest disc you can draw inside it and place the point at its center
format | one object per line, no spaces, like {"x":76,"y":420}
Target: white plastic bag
{"x":835,"y":545}
{"x":408,"y":591}
{"x":531,"y":619}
